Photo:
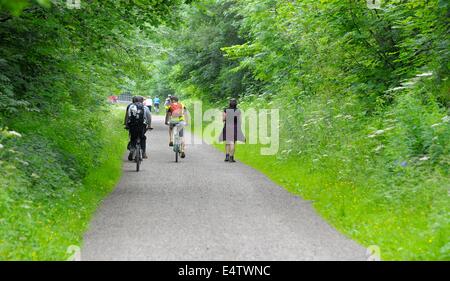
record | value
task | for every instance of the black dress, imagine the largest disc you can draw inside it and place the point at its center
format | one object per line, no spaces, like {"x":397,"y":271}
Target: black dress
{"x":232,"y":131}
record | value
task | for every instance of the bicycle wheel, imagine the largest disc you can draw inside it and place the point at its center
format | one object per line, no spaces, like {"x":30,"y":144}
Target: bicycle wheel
{"x":138,"y":158}
{"x":176,"y":152}
{"x":176,"y":146}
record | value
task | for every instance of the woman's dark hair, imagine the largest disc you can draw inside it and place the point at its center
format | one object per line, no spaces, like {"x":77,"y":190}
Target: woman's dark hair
{"x":233,"y":103}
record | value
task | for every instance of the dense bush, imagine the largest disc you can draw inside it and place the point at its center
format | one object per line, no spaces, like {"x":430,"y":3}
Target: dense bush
{"x":46,"y":195}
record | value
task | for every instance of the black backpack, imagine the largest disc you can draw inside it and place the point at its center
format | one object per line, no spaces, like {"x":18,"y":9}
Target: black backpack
{"x":136,"y":114}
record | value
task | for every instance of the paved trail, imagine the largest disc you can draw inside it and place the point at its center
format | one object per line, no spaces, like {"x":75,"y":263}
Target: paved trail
{"x":205,"y":209}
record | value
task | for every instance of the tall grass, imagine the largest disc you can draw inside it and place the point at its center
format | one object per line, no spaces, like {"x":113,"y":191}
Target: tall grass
{"x":56,"y":173}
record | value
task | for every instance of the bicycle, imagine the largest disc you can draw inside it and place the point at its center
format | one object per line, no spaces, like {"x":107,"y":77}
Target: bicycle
{"x":138,"y":154}
{"x":177,"y":127}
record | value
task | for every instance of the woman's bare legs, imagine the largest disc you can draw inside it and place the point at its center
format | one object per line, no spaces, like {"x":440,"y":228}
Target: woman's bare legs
{"x":227,"y":151}
{"x":232,"y":148}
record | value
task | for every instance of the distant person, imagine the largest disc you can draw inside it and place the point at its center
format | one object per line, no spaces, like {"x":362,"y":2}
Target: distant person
{"x":167,"y":102}
{"x":112,"y":99}
{"x":177,"y":113}
{"x":156,"y":102}
{"x":137,"y":120}
{"x":166,"y":107}
{"x":232,"y":131}
{"x":148,"y":102}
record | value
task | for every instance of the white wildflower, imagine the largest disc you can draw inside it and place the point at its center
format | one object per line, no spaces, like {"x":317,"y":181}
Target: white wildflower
{"x":396,"y":89}
{"x":425,"y":74}
{"x":14,"y":133}
{"x":25,"y":163}
{"x":446,"y":118}
{"x":435,"y":125}
{"x":425,"y":158}
{"x":378,"y":149}
{"x":376,"y":133}
{"x":1,"y":146}
{"x":409,"y":84}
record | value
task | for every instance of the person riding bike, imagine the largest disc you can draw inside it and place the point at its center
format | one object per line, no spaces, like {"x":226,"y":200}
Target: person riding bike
{"x":167,"y":102}
{"x":156,"y":102}
{"x":137,"y":120}
{"x":166,"y":107}
{"x":177,"y":114}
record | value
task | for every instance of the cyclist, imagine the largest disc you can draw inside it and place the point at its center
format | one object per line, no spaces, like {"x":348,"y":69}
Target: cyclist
{"x":167,"y":102}
{"x":156,"y":104}
{"x":177,"y":113}
{"x":133,"y":100}
{"x":166,"y":107}
{"x":137,"y":120}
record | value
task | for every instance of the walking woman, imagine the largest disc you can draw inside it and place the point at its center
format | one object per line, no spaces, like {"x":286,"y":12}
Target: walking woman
{"x":232,"y":131}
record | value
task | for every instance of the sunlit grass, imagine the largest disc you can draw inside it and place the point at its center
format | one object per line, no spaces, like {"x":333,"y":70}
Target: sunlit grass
{"x":401,"y":232}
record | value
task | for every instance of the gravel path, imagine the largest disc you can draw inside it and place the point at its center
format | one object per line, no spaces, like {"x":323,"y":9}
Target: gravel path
{"x":205,"y":209}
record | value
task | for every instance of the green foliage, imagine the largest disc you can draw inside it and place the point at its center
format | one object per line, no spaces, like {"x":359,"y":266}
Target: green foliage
{"x":82,"y":54}
{"x":195,"y":56}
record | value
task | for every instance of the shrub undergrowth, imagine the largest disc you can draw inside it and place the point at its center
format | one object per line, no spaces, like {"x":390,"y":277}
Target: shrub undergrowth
{"x":56,"y":172}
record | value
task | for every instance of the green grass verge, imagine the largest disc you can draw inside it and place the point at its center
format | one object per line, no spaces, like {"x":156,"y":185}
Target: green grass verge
{"x":400,"y":231}
{"x":43,"y":214}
